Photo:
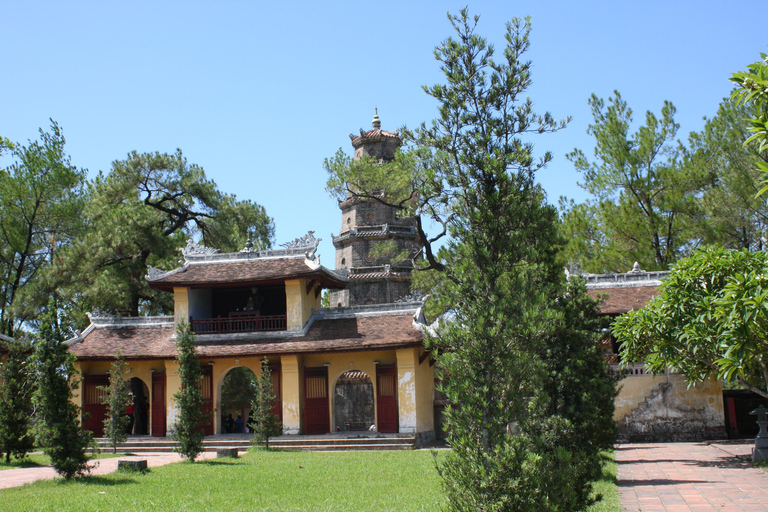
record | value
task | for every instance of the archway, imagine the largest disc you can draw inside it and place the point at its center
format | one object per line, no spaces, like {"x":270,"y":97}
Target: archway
{"x":140,"y":394}
{"x":238,"y":388}
{"x":353,"y":406}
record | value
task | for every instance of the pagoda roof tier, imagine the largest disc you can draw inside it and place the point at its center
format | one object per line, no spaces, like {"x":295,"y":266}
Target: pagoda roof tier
{"x":204,"y":268}
{"x":382,"y":327}
{"x":373,"y":232}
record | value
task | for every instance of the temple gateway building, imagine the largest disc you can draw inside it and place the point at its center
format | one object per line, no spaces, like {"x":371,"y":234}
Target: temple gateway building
{"x":360,"y":364}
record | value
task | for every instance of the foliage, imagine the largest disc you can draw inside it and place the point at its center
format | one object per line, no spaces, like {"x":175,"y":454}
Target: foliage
{"x":17,"y":384}
{"x":753,"y":90}
{"x":157,"y":202}
{"x":238,"y":389}
{"x":187,"y":431}
{"x":267,"y":423}
{"x":644,"y":202}
{"x":58,"y":418}
{"x":575,"y":404}
{"x":116,"y":399}
{"x":709,"y":319}
{"x":40,"y":204}
{"x":506,"y":356}
{"x":732,"y":216}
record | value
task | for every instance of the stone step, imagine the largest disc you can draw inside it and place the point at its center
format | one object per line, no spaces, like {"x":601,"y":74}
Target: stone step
{"x":293,"y":443}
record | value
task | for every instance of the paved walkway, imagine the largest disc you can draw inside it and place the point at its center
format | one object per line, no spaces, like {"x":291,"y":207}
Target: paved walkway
{"x":690,"y":477}
{"x":19,"y":476}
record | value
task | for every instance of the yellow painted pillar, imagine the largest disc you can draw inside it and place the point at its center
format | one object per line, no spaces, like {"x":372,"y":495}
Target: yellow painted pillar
{"x":172,"y":385}
{"x":180,"y":304}
{"x":407,"y":362}
{"x":291,"y":384}
{"x":293,"y":305}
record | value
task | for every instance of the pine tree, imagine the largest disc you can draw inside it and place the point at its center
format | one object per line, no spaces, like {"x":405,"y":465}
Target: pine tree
{"x":58,"y":418}
{"x":267,"y":424}
{"x":188,"y":429}
{"x":116,"y":399}
{"x":16,"y":388}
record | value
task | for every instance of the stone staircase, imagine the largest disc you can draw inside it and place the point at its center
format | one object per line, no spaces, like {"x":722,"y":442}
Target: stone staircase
{"x":338,"y":441}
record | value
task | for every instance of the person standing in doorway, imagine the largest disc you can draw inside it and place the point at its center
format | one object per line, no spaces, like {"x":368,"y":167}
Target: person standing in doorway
{"x":129,"y":413}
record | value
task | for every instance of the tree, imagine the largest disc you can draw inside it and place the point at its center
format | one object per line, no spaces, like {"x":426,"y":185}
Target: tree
{"x":267,"y":423}
{"x":16,"y":387}
{"x":644,"y":202}
{"x":157,"y":202}
{"x":187,"y":431}
{"x":58,"y":418}
{"x":753,"y":90}
{"x":732,"y":216}
{"x":501,"y":273}
{"x":116,"y":399}
{"x":709,"y":319}
{"x":40,"y":204}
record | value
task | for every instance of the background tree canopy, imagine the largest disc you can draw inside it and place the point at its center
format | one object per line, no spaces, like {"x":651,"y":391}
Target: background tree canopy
{"x":709,"y":319}
{"x":88,"y":244}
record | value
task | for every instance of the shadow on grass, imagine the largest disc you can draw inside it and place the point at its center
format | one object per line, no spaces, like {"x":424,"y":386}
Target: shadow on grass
{"x":23,"y":463}
{"x":102,"y":480}
{"x":228,"y":461}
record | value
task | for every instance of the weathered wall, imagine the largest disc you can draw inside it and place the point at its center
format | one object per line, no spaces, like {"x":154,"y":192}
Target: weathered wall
{"x":664,"y":408}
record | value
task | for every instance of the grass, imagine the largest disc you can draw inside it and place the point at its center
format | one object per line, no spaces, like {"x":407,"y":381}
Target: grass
{"x":263,"y":481}
{"x":608,"y":487}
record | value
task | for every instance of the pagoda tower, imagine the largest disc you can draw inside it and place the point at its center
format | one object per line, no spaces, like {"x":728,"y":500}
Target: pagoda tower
{"x":374,"y":277}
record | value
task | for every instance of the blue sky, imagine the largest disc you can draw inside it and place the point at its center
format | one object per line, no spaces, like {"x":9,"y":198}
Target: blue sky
{"x":259,"y":93}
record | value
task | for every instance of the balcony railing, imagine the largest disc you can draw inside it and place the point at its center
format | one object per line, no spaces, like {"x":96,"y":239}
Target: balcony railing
{"x":238,"y":323}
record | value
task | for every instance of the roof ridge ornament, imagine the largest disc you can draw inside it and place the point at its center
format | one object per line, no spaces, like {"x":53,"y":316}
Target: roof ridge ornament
{"x":636,"y":269}
{"x":307,"y":241}
{"x":153,"y":273}
{"x":194,"y":249}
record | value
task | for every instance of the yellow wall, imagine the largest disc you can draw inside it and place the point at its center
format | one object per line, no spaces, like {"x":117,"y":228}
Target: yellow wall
{"x":180,"y":305}
{"x":138,"y":369}
{"x":299,"y":303}
{"x":292,"y":389}
{"x":706,"y":396}
{"x":415,"y":381}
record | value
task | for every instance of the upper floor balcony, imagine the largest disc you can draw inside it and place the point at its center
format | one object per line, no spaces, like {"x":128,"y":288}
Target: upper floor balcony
{"x":236,"y":322}
{"x":238,"y":310}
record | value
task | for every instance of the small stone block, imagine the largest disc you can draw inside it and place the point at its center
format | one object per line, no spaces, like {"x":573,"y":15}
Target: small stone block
{"x":226,"y":452}
{"x":132,"y":465}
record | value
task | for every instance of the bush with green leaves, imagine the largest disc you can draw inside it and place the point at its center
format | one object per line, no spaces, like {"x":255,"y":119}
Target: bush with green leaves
{"x":57,"y":417}
{"x":187,"y":431}
{"x":266,"y":423}
{"x":17,"y":384}
{"x":116,"y":399}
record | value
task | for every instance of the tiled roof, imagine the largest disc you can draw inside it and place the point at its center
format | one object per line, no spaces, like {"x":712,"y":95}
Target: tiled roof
{"x":622,"y":299}
{"x":331,"y":335}
{"x":245,"y":272}
{"x":373,"y":134}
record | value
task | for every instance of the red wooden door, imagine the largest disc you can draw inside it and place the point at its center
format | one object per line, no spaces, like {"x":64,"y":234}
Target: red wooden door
{"x":92,"y":406}
{"x":278,"y":408}
{"x":386,"y":397}
{"x":317,"y":418}
{"x":206,"y":386}
{"x":158,"y":404}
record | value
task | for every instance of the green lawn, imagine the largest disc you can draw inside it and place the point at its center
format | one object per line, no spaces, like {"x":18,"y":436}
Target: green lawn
{"x":258,"y":481}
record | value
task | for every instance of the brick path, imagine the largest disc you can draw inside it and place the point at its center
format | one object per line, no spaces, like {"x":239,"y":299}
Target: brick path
{"x":690,"y":477}
{"x":19,"y":476}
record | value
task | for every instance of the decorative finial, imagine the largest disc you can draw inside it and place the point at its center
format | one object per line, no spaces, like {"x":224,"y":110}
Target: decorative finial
{"x":376,"y":120}
{"x":248,"y":243}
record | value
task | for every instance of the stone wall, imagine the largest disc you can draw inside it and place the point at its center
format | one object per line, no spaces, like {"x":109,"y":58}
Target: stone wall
{"x":669,"y":411}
